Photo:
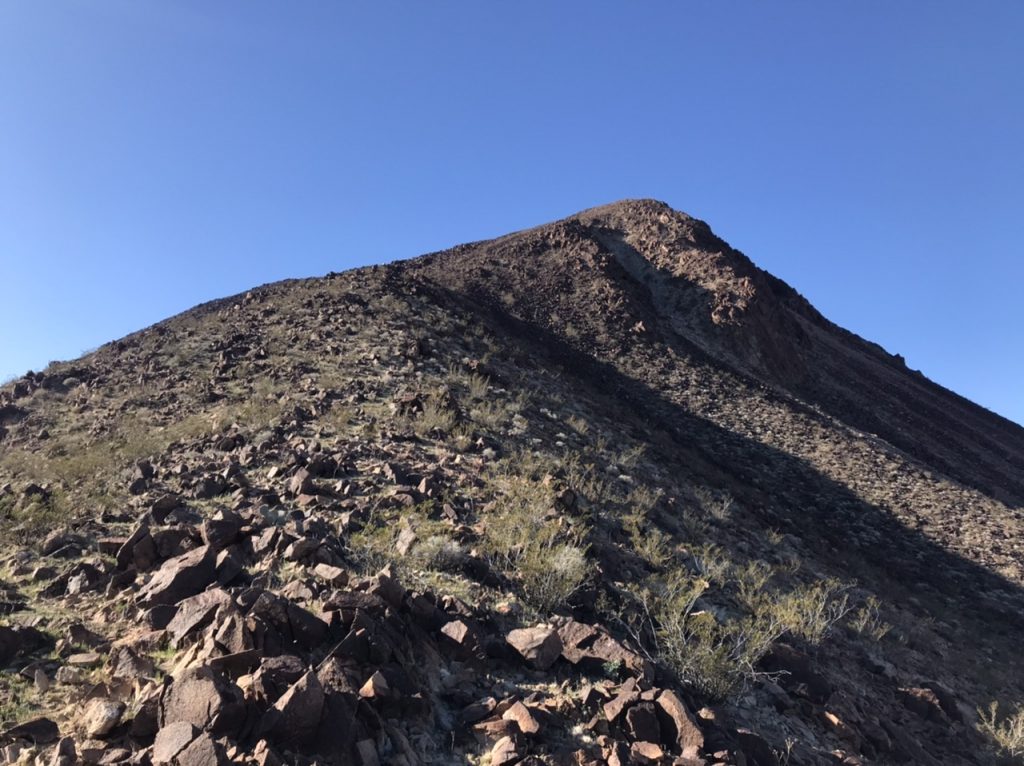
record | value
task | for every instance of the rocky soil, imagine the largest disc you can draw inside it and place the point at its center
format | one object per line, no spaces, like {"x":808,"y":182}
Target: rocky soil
{"x":600,"y":492}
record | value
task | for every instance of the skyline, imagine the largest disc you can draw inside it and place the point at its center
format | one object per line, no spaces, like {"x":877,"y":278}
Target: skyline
{"x":153,"y":158}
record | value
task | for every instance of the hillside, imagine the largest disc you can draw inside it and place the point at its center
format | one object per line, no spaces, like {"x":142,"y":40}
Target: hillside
{"x":598,"y":492}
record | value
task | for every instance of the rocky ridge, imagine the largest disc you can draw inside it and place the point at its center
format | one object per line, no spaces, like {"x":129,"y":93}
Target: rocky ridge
{"x":444,"y":511}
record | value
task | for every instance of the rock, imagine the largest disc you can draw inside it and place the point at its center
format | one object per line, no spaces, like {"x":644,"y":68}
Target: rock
{"x":505,"y":752}
{"x":757,"y":751}
{"x":172,"y":740}
{"x":196,"y":612}
{"x":386,"y":586}
{"x":332,"y":575}
{"x":179,"y":578}
{"x":521,"y":714}
{"x":796,"y":673}
{"x":477,"y":711}
{"x":376,"y":686}
{"x":222,"y":530}
{"x":462,"y":635}
{"x":626,"y":696}
{"x":642,"y":722}
{"x":366,"y":753}
{"x":139,"y":550}
{"x":162,"y":506}
{"x":301,"y":548}
{"x":204,"y":699}
{"x":59,"y":542}
{"x":301,"y":483}
{"x":210,"y":486}
{"x":294,"y":718}
{"x":65,"y":754}
{"x":925,"y":703}
{"x":677,"y":725}
{"x":541,"y":646}
{"x":294,"y":624}
{"x":202,"y":751}
{"x":69,"y":675}
{"x":230,"y":565}
{"x":84,"y":659}
{"x":101,"y":717}
{"x":646,"y":752}
{"x":10,"y":644}
{"x":128,"y":664}
{"x":41,"y":731}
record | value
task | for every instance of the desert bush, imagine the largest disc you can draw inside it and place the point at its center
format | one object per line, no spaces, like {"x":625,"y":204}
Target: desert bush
{"x":1005,"y":732}
{"x":714,"y":658}
{"x":809,"y":611}
{"x":527,"y":540}
{"x":438,"y":553}
{"x":868,"y":620}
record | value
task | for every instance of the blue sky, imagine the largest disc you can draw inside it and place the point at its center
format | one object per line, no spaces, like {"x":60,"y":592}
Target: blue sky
{"x":156,"y":155}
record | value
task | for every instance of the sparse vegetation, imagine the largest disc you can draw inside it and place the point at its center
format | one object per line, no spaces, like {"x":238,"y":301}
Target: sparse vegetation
{"x":526,"y":539}
{"x":1005,"y":732}
{"x":867,"y":620}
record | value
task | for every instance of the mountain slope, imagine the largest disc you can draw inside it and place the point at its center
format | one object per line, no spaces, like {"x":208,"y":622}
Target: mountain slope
{"x":613,"y":421}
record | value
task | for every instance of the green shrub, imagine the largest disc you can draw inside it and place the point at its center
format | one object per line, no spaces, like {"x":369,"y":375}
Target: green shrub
{"x":531,"y":543}
{"x":868,"y":620}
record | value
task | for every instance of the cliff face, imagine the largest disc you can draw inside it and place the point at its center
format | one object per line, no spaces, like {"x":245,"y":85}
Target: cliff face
{"x":602,"y":491}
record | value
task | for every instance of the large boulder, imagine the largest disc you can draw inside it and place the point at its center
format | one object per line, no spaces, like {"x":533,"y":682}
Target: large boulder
{"x":677,"y":725}
{"x":205,"y":699}
{"x":295,"y":717}
{"x":180,"y":577}
{"x":540,"y":645}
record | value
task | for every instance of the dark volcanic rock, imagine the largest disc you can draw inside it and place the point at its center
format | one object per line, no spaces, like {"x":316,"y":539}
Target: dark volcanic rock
{"x":180,"y":577}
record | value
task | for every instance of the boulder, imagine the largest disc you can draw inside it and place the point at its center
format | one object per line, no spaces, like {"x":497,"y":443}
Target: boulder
{"x":101,"y":717}
{"x":41,"y":731}
{"x":202,"y":751}
{"x":196,"y":612}
{"x":179,"y":577}
{"x":627,"y":695}
{"x":172,"y":740}
{"x":524,"y":718}
{"x":294,"y":718}
{"x":204,"y":699}
{"x":677,"y":725}
{"x":642,"y":722}
{"x":540,"y":645}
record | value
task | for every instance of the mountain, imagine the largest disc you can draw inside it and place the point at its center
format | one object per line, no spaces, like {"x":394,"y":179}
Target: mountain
{"x":602,"y":491}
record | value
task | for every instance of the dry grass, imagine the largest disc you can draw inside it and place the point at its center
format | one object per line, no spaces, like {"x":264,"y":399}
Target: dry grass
{"x":1006,"y":732}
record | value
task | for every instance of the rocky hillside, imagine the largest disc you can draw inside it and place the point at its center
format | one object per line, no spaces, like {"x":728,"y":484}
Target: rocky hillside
{"x":600,"y":492}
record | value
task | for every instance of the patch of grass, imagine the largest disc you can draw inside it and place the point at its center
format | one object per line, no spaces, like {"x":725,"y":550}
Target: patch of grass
{"x":435,"y":419}
{"x":17,"y":701}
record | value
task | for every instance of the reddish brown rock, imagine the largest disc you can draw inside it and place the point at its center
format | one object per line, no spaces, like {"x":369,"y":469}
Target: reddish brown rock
{"x":646,"y":753}
{"x":172,"y":740}
{"x":204,"y":699}
{"x":677,"y":725}
{"x":527,"y":722}
{"x":295,"y":717}
{"x":540,"y":645}
{"x":642,"y":722}
{"x":627,"y":695}
{"x":179,"y":578}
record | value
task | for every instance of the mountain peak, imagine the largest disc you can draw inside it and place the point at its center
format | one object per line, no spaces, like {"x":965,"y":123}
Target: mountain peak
{"x":589,"y":477}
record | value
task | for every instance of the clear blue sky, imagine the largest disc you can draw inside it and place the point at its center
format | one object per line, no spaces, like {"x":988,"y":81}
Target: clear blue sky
{"x":154,"y":155}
